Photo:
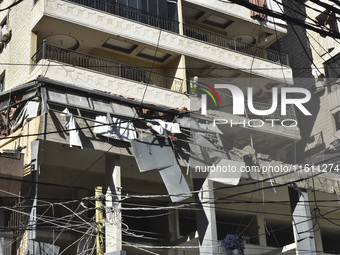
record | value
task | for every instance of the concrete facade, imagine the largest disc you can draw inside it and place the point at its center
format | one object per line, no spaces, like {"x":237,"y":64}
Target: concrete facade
{"x":89,"y":83}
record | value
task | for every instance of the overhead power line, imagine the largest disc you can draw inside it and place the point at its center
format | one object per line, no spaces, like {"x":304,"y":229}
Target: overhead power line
{"x":12,"y":5}
{"x":285,"y":17}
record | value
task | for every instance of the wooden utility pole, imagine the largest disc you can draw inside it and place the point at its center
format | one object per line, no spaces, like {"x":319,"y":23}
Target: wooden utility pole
{"x":99,"y":220}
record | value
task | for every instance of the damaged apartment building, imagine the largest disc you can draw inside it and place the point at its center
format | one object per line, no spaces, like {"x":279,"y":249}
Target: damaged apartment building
{"x":102,"y":131}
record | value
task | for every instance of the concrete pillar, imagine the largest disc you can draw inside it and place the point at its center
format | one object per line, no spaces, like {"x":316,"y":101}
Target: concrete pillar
{"x":34,"y":47}
{"x":318,"y":241}
{"x":302,"y":223}
{"x":113,"y":224}
{"x":181,"y":68}
{"x":180,"y":16}
{"x":206,"y":220}
{"x":180,"y":73}
{"x":262,"y":230}
{"x":34,"y":188}
{"x":174,"y":230}
{"x":174,"y":225}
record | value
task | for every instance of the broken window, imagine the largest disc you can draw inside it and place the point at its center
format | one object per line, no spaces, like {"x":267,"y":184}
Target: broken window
{"x":85,"y":104}
{"x":101,"y":105}
{"x":2,"y":81}
{"x":57,"y":96}
{"x":336,"y":117}
{"x":78,"y":100}
{"x":17,"y":110}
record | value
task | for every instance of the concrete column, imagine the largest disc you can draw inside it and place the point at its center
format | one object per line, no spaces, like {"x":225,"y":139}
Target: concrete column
{"x":206,"y":220}
{"x":174,"y":225}
{"x":34,"y":188}
{"x":262,"y":230}
{"x":174,"y":230}
{"x":182,"y":74}
{"x":180,"y":16}
{"x":318,"y":241}
{"x":34,"y":47}
{"x":113,"y":220}
{"x":302,"y":224}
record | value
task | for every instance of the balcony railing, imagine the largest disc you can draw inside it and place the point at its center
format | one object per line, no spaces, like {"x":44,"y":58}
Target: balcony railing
{"x":233,"y":44}
{"x":107,"y":66}
{"x":290,"y":111}
{"x":131,"y":13}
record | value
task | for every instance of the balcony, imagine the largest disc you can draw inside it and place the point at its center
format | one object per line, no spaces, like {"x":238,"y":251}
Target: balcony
{"x":290,"y":110}
{"x":107,"y":66}
{"x":69,"y":18}
{"x":131,"y":13}
{"x":235,"y":45}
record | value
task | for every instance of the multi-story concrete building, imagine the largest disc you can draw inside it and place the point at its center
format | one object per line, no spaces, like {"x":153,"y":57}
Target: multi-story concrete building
{"x":100,"y":94}
{"x":314,"y":64}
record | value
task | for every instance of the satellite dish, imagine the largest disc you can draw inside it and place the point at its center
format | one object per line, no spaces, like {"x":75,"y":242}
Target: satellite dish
{"x":63,"y":41}
{"x":245,"y":38}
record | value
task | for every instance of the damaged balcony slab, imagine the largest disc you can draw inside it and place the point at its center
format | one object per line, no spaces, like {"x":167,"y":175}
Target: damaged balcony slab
{"x":301,"y":176}
{"x":92,"y":80}
{"x":66,"y":107}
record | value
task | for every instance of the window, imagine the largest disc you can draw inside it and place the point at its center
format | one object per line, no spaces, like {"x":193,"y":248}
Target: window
{"x":172,"y":10}
{"x":2,"y":81}
{"x":163,"y":8}
{"x":336,"y":117}
{"x":332,"y":71}
{"x":332,"y":67}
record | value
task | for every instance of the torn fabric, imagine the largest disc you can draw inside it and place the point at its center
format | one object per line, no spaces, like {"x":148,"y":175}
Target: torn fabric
{"x":75,"y":140}
{"x":124,"y":129}
{"x":71,"y":125}
{"x":156,"y":128}
{"x":171,"y":127}
{"x":29,"y":112}
{"x":119,"y":129}
{"x":101,"y":129}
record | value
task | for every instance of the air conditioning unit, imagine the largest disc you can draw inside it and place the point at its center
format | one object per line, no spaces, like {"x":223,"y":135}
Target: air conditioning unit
{"x":5,"y":33}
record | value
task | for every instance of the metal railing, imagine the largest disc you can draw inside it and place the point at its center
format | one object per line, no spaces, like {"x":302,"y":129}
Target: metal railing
{"x":107,"y":66}
{"x":233,"y":44}
{"x":131,"y":13}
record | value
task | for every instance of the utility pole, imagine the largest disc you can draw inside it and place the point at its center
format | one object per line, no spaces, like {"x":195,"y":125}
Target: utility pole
{"x":99,"y":220}
{"x":113,"y":216}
